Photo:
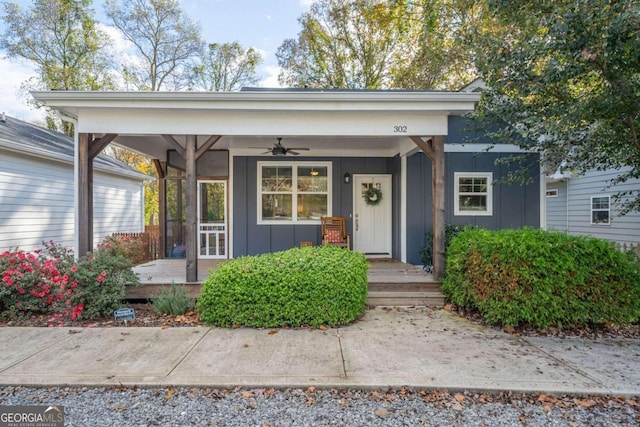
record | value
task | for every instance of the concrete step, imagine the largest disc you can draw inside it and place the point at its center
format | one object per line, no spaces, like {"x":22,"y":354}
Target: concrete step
{"x":434,"y":299}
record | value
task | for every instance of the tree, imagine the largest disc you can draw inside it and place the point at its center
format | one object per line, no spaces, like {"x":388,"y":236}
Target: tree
{"x":563,"y":79}
{"x":375,"y":44}
{"x":227,"y":67}
{"x":166,"y":39}
{"x":61,"y":39}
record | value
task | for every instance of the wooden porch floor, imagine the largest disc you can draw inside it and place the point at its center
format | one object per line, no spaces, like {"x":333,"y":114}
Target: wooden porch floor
{"x":391,"y":282}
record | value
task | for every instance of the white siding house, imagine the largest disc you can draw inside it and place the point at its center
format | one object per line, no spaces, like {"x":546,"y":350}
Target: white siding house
{"x":583,"y":205}
{"x":37,"y":194}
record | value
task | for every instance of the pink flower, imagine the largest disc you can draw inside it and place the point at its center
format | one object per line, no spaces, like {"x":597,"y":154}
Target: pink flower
{"x":74,"y":269}
{"x":100,"y":279}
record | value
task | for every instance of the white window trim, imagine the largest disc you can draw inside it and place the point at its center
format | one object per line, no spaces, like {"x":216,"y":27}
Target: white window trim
{"x":591,"y":210}
{"x":456,"y":193}
{"x":553,"y":192}
{"x":294,"y":171}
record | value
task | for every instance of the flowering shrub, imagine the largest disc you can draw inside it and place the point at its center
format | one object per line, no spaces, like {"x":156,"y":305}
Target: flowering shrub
{"x":49,"y":281}
{"x":39,"y":282}
{"x":103,"y":277}
{"x":134,"y":248}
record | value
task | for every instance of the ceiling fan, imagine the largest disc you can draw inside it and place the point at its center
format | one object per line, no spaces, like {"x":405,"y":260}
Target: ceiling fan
{"x":280,"y":150}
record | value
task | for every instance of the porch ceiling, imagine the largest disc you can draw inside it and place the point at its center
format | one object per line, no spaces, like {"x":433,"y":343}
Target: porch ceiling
{"x":156,"y":146}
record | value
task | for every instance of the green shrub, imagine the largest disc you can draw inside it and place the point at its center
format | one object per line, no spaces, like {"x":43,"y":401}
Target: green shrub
{"x":541,"y":278}
{"x":173,"y":300}
{"x":450,"y":231}
{"x":302,"y":286}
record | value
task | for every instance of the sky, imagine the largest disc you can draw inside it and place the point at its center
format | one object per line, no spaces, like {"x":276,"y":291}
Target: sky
{"x":261,"y":24}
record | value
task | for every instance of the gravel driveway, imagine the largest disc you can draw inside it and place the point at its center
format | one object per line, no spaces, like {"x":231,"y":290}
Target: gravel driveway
{"x":313,"y":407}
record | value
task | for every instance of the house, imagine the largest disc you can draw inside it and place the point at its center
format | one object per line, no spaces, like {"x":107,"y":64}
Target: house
{"x":37,"y":189}
{"x":253,"y":171}
{"x":584,"y":205}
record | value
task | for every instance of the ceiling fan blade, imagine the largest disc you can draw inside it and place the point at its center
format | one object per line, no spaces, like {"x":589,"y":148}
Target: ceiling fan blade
{"x":268,"y":152}
{"x":300,"y":148}
{"x":289,"y":151}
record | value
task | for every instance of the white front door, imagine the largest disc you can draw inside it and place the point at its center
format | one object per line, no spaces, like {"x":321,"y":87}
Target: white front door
{"x":212,"y":219}
{"x":372,"y":217}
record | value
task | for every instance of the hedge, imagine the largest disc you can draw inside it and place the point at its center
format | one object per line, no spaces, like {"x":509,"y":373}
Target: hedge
{"x":542,"y":279}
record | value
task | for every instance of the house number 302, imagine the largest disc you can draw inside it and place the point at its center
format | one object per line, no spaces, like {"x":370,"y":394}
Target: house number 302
{"x":399,"y":129}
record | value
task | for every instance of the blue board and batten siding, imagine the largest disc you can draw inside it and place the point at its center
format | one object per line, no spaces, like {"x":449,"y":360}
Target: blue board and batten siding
{"x":250,"y":238}
{"x":514,"y":205}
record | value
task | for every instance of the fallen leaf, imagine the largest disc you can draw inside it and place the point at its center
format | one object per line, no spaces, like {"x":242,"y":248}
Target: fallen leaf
{"x":273,"y":332}
{"x":382,"y":413}
{"x":585,"y":403}
{"x":125,"y":333}
{"x":311,"y":389}
{"x":545,"y":398}
{"x":247,"y":394}
{"x":456,"y":407}
{"x":74,"y":331}
{"x":169,"y":394}
{"x":322,"y":328}
{"x":459,"y":397}
{"x":164,"y":327}
{"x":246,"y":345}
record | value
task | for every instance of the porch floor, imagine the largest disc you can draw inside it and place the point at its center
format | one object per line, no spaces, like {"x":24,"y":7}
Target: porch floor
{"x":391,"y":282}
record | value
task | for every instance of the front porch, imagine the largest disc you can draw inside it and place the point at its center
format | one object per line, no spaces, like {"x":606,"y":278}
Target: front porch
{"x":391,"y":282}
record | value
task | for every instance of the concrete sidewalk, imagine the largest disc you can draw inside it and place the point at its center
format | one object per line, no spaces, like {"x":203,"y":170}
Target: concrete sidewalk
{"x":420,"y":348}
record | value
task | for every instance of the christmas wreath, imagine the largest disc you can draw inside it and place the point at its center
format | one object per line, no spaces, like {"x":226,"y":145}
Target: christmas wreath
{"x":372,"y":196}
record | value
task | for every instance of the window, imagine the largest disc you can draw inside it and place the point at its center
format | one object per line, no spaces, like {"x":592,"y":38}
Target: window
{"x":473,"y":193}
{"x":552,"y":193}
{"x":298,"y":192}
{"x":600,"y":210}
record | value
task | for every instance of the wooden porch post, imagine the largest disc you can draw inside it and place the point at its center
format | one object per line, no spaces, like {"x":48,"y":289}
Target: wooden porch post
{"x":191,"y":199}
{"x":88,"y":149}
{"x":85,"y":209}
{"x":434,"y":149}
{"x":161,"y":169}
{"x":437,"y":171}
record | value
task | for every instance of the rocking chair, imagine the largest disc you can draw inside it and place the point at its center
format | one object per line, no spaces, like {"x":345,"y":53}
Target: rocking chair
{"x":334,"y":231}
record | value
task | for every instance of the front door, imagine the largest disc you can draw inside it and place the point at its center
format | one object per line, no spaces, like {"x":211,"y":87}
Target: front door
{"x":212,"y":219}
{"x":372,"y":215}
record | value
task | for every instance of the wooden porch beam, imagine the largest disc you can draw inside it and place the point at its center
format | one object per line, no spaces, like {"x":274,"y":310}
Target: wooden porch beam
{"x":425,"y":146}
{"x":207,"y":145}
{"x":97,"y":145}
{"x":191,"y":237}
{"x":175,"y":144}
{"x":438,"y":182}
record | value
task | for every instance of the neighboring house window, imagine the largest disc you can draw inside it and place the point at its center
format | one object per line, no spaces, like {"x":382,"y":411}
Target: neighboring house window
{"x":293,"y":192}
{"x":473,"y":193}
{"x":552,"y":193}
{"x":600,"y":210}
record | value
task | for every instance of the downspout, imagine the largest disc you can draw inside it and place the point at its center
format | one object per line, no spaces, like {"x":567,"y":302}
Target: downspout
{"x":74,"y":122}
{"x":543,"y":197}
{"x":567,"y":206}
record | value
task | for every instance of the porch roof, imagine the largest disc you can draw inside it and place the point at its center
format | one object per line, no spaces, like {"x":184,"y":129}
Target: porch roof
{"x":369,"y":123}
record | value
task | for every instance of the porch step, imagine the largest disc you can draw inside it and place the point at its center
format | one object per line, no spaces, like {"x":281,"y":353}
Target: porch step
{"x":379,"y":293}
